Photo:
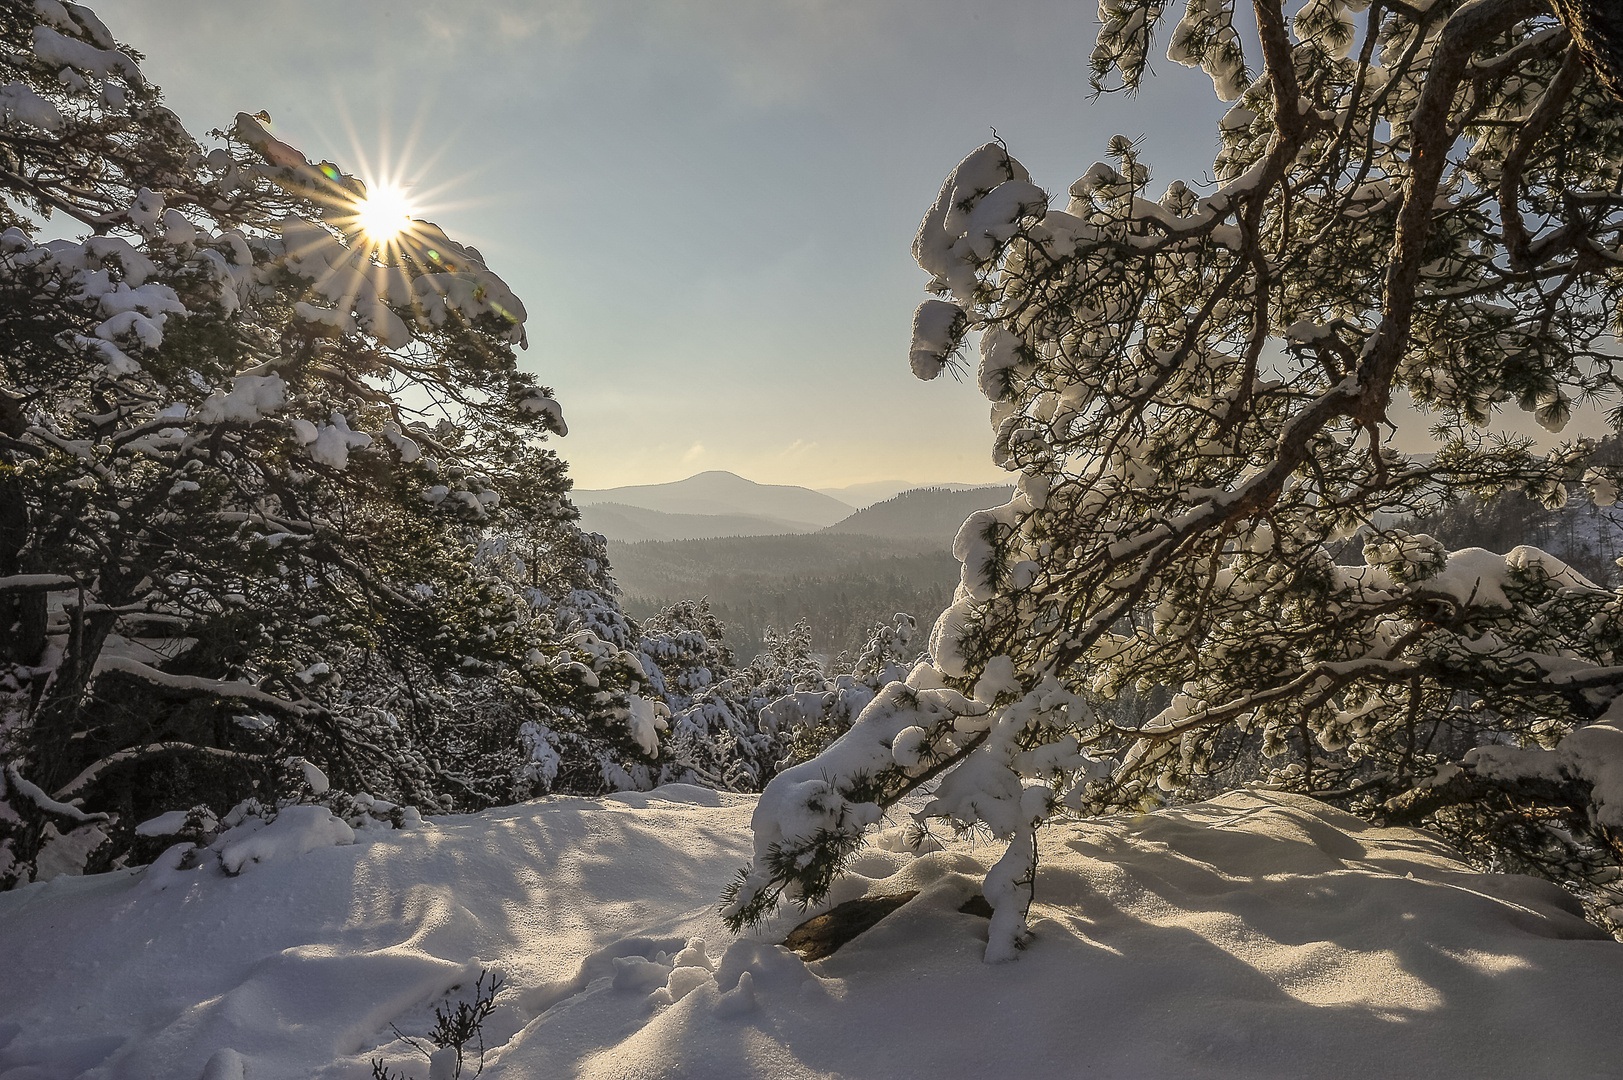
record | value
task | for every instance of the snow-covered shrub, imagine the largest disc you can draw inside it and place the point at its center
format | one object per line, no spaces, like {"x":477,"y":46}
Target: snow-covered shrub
{"x":311,"y":815}
{"x":1192,"y":390}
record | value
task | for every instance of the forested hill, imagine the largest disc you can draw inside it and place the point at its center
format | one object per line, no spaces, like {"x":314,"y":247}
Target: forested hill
{"x":634,"y":523}
{"x":923,"y":513}
{"x":840,"y":584}
{"x":893,"y":556}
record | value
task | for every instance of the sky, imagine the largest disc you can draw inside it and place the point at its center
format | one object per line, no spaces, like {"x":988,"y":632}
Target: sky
{"x":707,"y":206}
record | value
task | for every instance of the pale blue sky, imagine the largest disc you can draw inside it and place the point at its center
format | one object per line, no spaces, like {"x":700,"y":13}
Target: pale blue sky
{"x":706,"y":205}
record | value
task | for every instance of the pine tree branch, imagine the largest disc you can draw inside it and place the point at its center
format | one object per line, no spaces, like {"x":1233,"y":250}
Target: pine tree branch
{"x":143,"y":753}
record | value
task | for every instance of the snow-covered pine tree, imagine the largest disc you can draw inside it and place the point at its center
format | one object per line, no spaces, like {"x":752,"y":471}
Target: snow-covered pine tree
{"x":271,"y":486}
{"x":1195,"y":392}
{"x":715,"y":737}
{"x":811,"y":717}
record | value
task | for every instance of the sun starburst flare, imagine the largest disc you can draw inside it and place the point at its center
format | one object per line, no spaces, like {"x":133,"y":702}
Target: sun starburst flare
{"x":381,"y":218}
{"x":383,"y":235}
{"x":383,"y":215}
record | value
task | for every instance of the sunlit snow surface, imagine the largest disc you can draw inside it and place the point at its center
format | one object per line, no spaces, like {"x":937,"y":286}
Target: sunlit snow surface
{"x":1260,"y":935}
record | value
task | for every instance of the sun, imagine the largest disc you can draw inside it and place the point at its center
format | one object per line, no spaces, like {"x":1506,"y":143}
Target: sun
{"x":384,"y":214}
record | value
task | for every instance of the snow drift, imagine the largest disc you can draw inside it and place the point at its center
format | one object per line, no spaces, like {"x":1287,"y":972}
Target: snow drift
{"x":1257,"y":935}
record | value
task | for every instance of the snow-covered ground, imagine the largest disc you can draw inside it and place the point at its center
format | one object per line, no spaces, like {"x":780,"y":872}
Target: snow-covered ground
{"x":1259,"y":935}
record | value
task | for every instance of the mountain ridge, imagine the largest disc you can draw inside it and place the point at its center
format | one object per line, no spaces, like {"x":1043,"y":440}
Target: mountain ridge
{"x":718,"y":492}
{"x":865,"y":495}
{"x":929,"y":513}
{"x":633,"y":524}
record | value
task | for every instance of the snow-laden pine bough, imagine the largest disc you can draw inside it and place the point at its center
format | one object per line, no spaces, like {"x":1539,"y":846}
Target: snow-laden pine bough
{"x":1198,"y":582}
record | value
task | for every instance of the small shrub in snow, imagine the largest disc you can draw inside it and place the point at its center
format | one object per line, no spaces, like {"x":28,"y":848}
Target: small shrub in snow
{"x":453,"y":1031}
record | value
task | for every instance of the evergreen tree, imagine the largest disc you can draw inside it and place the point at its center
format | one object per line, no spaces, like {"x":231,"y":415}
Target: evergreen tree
{"x":272,"y":484}
{"x":1415,"y":198}
{"x":811,"y":717}
{"x":716,"y":739}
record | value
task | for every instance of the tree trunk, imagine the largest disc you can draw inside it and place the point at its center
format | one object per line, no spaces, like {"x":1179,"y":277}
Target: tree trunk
{"x":1597,"y":27}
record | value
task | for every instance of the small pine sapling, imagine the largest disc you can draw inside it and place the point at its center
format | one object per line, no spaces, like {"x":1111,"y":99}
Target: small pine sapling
{"x":453,"y":1031}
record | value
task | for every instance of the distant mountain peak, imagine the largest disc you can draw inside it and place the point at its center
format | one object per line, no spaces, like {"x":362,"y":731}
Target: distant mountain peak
{"x":719,"y":492}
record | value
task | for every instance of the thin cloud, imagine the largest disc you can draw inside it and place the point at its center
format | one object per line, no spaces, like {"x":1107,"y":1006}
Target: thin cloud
{"x":558,"y":22}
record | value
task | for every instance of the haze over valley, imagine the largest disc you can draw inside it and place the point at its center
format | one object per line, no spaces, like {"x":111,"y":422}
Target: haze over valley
{"x":769,"y":556}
